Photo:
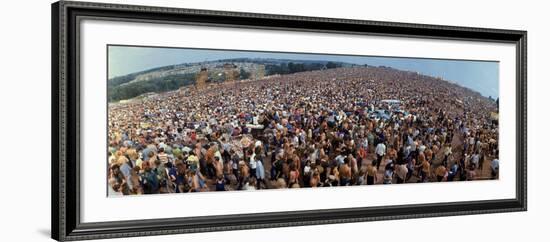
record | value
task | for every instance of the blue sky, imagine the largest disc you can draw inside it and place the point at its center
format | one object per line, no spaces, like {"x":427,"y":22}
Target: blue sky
{"x":481,"y":76}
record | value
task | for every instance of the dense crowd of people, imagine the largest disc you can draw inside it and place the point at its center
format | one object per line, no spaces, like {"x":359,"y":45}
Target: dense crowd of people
{"x":335,"y":127}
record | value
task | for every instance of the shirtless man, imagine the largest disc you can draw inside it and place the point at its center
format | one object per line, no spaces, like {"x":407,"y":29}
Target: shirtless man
{"x":315,"y":179}
{"x":209,"y":158}
{"x":371,"y":174}
{"x":429,"y":154}
{"x":218,"y":167}
{"x":345,"y":174}
{"x":425,"y":171}
{"x":228,"y":172}
{"x":441,"y":173}
{"x":353,"y":164}
{"x":293,"y":175}
{"x":421,"y":160}
{"x":198,"y":151}
{"x":244,"y":174}
{"x":197,"y":182}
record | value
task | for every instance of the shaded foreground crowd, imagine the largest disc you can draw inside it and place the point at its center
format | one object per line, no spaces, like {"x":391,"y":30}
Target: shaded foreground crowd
{"x":336,"y":127}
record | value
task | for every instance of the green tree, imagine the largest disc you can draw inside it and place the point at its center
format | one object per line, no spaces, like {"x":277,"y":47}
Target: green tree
{"x":243,"y":74}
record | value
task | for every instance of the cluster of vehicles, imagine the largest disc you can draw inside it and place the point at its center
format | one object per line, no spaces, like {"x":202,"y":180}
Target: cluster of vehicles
{"x":387,"y":109}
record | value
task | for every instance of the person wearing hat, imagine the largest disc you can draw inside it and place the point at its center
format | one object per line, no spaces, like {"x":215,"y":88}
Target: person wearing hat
{"x":193,"y":161}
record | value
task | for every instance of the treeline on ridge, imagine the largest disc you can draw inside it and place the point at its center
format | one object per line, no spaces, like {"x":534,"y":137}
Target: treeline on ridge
{"x":291,"y":67}
{"x":160,"y":84}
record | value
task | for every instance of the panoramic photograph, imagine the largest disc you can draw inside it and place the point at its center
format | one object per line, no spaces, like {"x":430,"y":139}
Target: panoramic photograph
{"x":184,"y":120}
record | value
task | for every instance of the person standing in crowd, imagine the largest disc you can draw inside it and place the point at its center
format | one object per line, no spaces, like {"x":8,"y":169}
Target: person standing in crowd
{"x":345,"y":173}
{"x":371,"y":174}
{"x":401,"y":173}
{"x":150,"y":182}
{"x":380,"y":153}
{"x":260,"y":173}
{"x":441,"y":173}
{"x":220,"y":183}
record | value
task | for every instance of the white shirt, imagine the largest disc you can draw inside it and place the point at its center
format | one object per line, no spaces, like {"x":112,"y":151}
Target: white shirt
{"x":340,"y":159}
{"x":253,"y":161}
{"x":295,"y":141}
{"x":365,"y":143}
{"x":448,"y":150}
{"x":421,"y":148}
{"x":307,"y":169}
{"x":381,"y":149}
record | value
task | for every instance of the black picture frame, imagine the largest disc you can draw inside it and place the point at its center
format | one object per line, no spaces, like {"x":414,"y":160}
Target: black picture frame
{"x":66,"y":224}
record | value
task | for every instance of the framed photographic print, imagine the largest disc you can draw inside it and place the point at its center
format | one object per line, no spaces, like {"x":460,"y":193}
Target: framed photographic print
{"x":170,"y":120}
